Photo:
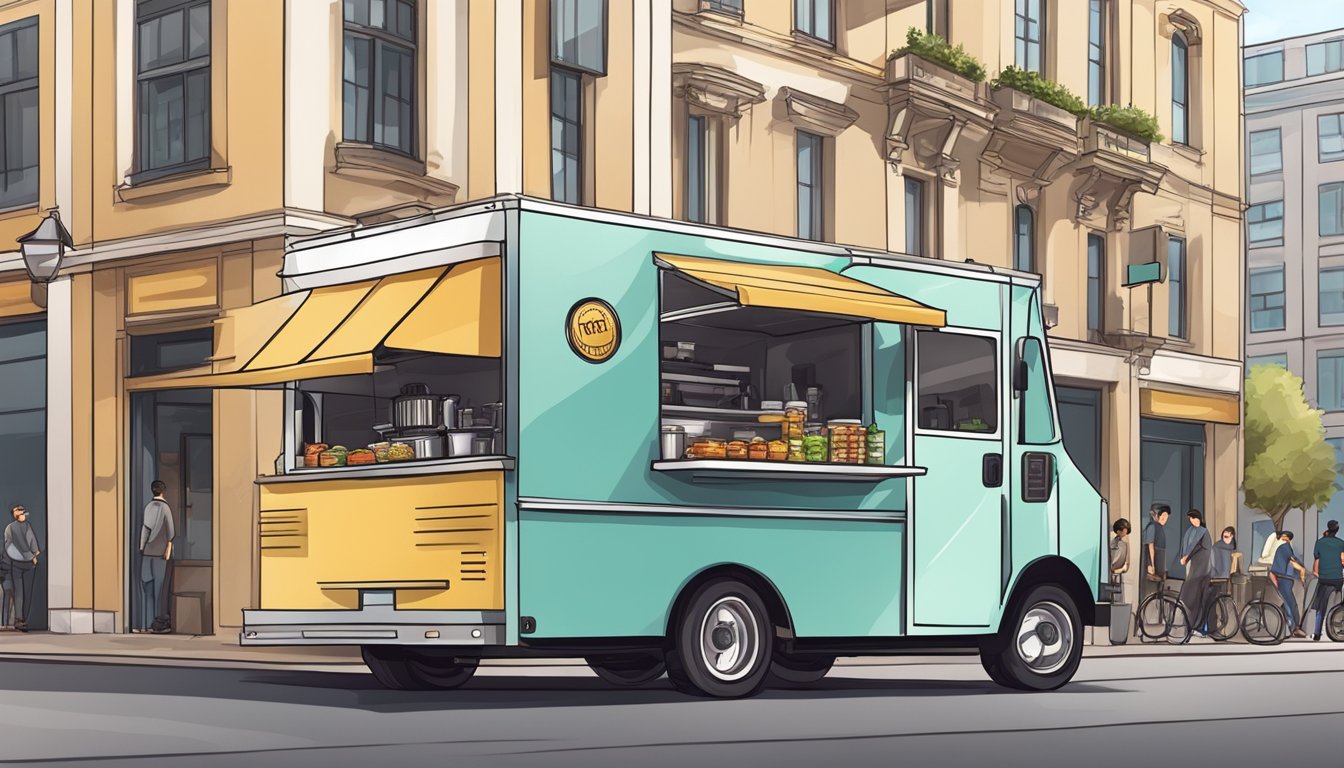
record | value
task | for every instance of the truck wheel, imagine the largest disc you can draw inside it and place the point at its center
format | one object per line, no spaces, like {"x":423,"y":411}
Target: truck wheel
{"x":401,"y":669}
{"x":722,"y":643}
{"x":1039,"y":646}
{"x":799,"y":670}
{"x":442,"y":673}
{"x":391,"y":668}
{"x":628,"y":669}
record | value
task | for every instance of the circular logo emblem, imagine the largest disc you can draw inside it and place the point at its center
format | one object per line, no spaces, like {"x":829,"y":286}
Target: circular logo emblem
{"x":593,"y":329}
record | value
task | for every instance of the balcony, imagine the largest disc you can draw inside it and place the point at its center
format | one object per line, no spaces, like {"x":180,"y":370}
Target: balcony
{"x":1113,"y":168}
{"x":933,"y":112}
{"x":1031,"y":140}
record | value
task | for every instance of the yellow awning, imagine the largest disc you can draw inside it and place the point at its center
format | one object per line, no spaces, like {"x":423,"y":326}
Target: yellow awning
{"x":808,"y":289}
{"x":1210,"y":407}
{"x":335,"y":330}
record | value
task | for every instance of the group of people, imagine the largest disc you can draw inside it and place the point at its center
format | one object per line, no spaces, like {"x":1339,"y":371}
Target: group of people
{"x":1209,"y":565}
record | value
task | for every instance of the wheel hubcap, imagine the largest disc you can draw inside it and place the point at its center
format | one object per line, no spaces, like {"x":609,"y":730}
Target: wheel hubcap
{"x":1045,"y":638}
{"x":729,"y":642}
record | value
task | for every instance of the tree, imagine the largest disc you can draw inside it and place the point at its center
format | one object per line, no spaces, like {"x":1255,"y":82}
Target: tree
{"x":1288,"y":463}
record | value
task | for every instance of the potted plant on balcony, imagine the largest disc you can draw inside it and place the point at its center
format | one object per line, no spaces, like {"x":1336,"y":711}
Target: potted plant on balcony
{"x":1131,"y":120}
{"x":1026,"y":91}
{"x":934,"y":50}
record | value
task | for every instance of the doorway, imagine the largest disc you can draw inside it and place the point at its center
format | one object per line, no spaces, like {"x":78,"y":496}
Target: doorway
{"x":23,"y":441}
{"x":1171,"y":458}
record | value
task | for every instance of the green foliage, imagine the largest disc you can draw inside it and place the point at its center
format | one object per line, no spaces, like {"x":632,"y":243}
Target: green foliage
{"x":934,"y":48}
{"x":1288,"y":463}
{"x":1131,"y":120}
{"x":1048,"y":91}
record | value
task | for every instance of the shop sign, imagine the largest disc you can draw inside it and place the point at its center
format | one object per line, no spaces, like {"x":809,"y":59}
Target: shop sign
{"x":594,"y":330}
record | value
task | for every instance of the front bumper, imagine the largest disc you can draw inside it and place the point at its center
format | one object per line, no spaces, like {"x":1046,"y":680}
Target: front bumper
{"x":373,"y":625}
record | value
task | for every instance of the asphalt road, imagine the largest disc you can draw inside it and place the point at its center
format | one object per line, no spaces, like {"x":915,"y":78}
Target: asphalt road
{"x":1225,"y":711}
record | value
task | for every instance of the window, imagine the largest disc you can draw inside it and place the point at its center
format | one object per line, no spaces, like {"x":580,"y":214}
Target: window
{"x":1264,"y":69}
{"x":1265,"y":221}
{"x":1037,"y":422}
{"x":172,"y":86}
{"x":914,"y":217}
{"x":1331,"y":296}
{"x":1266,"y":151}
{"x":1331,"y":198}
{"x":1027,"y":35}
{"x":1325,"y":57}
{"x":702,"y":169}
{"x":579,"y":35}
{"x":1330,"y":379}
{"x":733,"y":7}
{"x":1096,"y":282}
{"x":1176,"y":288}
{"x":163,"y":352}
{"x":811,"y":194}
{"x":813,"y":18}
{"x":18,"y":114}
{"x":1280,"y":359}
{"x":378,"y":95}
{"x":1096,"y":52}
{"x":1180,"y":89}
{"x":1267,"y":306}
{"x":1024,"y":239}
{"x":1330,"y":137}
{"x":957,"y":380}
{"x":566,"y":136}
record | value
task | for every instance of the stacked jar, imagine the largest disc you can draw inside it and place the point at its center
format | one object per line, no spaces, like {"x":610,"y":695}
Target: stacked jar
{"x":876,"y":440}
{"x":795,"y":416}
{"x":847,"y":445}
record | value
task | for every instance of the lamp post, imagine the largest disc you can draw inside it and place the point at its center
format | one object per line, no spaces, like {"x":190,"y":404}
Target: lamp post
{"x":43,"y":251}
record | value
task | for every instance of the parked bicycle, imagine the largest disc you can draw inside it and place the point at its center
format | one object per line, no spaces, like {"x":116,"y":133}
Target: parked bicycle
{"x":1219,"y":620}
{"x":1263,"y":622}
{"x":1334,"y":615}
{"x":1162,"y":616}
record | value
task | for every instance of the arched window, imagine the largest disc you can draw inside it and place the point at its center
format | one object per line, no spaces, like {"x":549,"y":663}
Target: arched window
{"x":1024,"y":239}
{"x":1180,"y":89}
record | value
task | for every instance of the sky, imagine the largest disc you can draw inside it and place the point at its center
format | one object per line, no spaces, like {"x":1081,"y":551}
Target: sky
{"x":1273,"y":19}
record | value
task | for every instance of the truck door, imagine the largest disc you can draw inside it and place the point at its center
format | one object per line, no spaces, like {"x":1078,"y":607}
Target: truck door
{"x":958,"y":507}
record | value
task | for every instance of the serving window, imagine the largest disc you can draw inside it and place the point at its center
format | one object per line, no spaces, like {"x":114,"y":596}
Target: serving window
{"x":956,"y":381}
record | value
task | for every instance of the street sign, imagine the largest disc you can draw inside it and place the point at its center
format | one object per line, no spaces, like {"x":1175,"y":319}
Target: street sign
{"x":1143,"y":274}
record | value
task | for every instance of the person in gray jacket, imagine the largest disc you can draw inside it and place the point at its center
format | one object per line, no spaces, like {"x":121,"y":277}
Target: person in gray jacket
{"x":156,"y":548}
{"x":21,"y":551}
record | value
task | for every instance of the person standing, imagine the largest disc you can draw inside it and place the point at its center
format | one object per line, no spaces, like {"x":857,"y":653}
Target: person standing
{"x":1281,"y":576}
{"x":1226,"y":560}
{"x":1197,"y":557}
{"x":6,"y":594}
{"x":1329,"y":570}
{"x":21,"y":550}
{"x":156,"y":548}
{"x":1154,"y":545}
{"x":1119,"y":550}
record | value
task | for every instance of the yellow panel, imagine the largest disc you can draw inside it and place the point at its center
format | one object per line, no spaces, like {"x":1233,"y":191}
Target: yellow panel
{"x":381,"y":310}
{"x":336,"y":366}
{"x":168,"y":291}
{"x":16,"y":299}
{"x":409,"y":534}
{"x":462,"y":315}
{"x":321,"y":313}
{"x":242,"y":332}
{"x":1216,"y":409}
{"x":805,"y":289}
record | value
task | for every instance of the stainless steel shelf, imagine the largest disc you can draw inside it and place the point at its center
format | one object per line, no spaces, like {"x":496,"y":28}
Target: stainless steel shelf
{"x":748,"y":470}
{"x":715,"y":414}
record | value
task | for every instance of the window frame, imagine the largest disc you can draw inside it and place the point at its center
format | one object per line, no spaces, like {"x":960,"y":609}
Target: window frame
{"x":1264,"y":208}
{"x":577,"y":125}
{"x":1023,"y":44}
{"x":1019,"y":352}
{"x":1098,"y":11}
{"x":146,"y":11}
{"x":918,"y":222}
{"x":556,"y":53}
{"x":1180,"y":130}
{"x":997,"y":340}
{"x":1337,"y":356}
{"x":1267,"y":296}
{"x":1321,"y":155}
{"x":21,"y":86}
{"x":1030,"y":234}
{"x":379,"y":40}
{"x":1278,"y":152}
{"x":734,"y":8}
{"x":1177,"y":289}
{"x":1337,"y":188}
{"x":1096,"y":284}
{"x":1254,"y":360}
{"x":1246,"y":68}
{"x":1320,"y":289}
{"x":810,"y":32}
{"x":1323,"y":46}
{"x":816,"y":188}
{"x":708,"y":171}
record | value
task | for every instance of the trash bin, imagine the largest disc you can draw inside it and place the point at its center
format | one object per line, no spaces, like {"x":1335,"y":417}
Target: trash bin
{"x":1240,"y":585}
{"x":1119,"y":623}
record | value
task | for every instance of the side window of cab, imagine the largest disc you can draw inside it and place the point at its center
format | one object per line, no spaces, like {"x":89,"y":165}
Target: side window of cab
{"x":1036,"y":423}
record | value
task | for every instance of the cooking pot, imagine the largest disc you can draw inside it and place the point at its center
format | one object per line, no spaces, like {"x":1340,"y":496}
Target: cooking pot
{"x":425,"y":446}
{"x":416,"y":409}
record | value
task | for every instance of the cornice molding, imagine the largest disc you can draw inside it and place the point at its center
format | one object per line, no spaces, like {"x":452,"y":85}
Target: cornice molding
{"x":821,"y":115}
{"x":717,"y":90}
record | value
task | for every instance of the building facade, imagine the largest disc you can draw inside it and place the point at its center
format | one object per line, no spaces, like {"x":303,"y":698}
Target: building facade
{"x":1295,"y":230}
{"x":184,"y":141}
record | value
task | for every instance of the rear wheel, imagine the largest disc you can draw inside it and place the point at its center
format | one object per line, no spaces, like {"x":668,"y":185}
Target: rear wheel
{"x":627,"y":670}
{"x":722,"y":642}
{"x":1155,"y":617}
{"x":1223,"y":618}
{"x":403,"y":669}
{"x":1178,"y":621}
{"x":1263,"y":623}
{"x":1334,"y":623}
{"x":799,"y":670}
{"x":1039,"y":647}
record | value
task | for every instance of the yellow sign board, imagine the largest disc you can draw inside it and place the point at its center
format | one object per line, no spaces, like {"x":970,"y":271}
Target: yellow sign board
{"x":594,"y":330}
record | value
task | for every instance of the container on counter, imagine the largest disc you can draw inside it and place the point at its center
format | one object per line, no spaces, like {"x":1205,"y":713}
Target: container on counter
{"x":875,"y":443}
{"x":380,"y":452}
{"x":673,"y":441}
{"x":758,"y":449}
{"x":777,"y":450}
{"x":846,"y":438}
{"x":686,"y":351}
{"x":736,"y":450}
{"x":814,"y":448}
{"x":707,"y":448}
{"x":796,"y":449}
{"x":795,"y":417}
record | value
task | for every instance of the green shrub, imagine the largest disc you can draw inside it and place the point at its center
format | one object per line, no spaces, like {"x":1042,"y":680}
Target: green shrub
{"x":939,"y":51}
{"x":1131,"y":120}
{"x":1034,"y":85}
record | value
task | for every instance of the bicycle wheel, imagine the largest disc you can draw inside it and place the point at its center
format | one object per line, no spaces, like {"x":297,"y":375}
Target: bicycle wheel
{"x":1178,"y":621}
{"x":1222,"y":618}
{"x":1263,"y":623}
{"x":1334,"y":623}
{"x":1152,"y":618}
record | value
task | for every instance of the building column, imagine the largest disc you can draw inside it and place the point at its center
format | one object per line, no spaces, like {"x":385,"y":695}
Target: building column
{"x":59,"y":547}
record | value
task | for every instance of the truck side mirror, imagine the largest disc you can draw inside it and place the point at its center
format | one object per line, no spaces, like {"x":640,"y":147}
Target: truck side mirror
{"x":1020,"y":368}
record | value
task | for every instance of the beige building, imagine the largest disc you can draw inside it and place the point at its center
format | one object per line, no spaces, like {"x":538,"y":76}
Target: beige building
{"x":184,"y":141}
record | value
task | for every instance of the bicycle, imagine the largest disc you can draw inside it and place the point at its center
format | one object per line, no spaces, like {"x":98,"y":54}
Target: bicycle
{"x":1334,"y":616}
{"x":1262,"y":622}
{"x":1220,"y":615}
{"x":1162,"y":616}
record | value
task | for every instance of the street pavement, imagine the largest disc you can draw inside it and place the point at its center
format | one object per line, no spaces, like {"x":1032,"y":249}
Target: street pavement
{"x":1193,"y":706}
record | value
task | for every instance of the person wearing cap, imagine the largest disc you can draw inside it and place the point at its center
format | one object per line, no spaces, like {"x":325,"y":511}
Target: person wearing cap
{"x":1281,"y":575}
{"x":1329,"y":570}
{"x":21,"y":550}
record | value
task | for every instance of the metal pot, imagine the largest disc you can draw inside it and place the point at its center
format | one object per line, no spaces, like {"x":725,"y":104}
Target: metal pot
{"x":449,"y":422}
{"x":459,"y":442}
{"x":426,"y":446}
{"x":416,"y":409}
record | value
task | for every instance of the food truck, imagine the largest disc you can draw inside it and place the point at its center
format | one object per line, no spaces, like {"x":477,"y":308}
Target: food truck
{"x":519,"y":428}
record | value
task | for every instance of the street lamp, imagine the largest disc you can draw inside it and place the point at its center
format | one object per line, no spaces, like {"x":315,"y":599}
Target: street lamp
{"x":43,"y":251}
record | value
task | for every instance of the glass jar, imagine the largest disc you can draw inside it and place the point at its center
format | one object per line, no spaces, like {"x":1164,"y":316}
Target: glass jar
{"x":796,"y":449}
{"x":875,"y":442}
{"x":708,"y":448}
{"x":847,"y":445}
{"x":795,"y":417}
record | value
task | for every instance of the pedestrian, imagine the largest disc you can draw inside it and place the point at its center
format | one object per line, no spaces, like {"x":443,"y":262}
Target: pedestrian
{"x":1329,"y":570}
{"x":156,"y":549}
{"x":6,"y":594}
{"x":1281,"y":575}
{"x":1119,"y":550}
{"x":1154,"y":546}
{"x":1226,"y":561}
{"x":21,"y":550}
{"x":1197,"y":557}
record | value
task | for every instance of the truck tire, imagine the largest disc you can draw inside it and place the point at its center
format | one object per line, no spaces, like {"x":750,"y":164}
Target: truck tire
{"x":791,"y":671}
{"x":629,"y":669}
{"x":1040,"y":644}
{"x":722,"y":642}
{"x":401,"y":669}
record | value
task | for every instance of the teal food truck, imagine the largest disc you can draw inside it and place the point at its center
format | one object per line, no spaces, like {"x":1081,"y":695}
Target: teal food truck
{"x":725,"y":456}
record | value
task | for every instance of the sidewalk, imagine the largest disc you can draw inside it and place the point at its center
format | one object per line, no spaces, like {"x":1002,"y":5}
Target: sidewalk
{"x":223,"y":651}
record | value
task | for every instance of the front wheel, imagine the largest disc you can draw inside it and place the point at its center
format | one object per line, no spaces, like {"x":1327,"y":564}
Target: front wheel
{"x":1039,"y":647}
{"x":799,"y":670}
{"x":1223,"y":619}
{"x":722,"y":642}
{"x":628,"y":670}
{"x":401,"y":669}
{"x":1263,"y":623}
{"x":1334,"y":623}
